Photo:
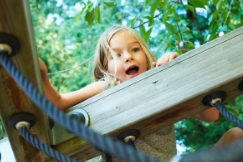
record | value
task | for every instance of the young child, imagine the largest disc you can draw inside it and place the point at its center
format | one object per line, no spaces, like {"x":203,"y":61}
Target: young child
{"x":122,"y":54}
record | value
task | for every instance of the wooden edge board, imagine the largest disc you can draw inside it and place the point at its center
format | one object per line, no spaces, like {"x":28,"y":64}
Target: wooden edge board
{"x":15,"y":19}
{"x":166,"y":94}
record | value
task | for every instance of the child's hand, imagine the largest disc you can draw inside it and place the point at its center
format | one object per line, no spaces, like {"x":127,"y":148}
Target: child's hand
{"x":165,"y":58}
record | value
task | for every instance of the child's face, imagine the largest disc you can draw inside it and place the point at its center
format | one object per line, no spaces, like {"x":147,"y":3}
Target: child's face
{"x":131,"y":59}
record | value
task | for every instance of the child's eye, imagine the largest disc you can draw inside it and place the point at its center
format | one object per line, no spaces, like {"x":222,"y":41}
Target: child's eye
{"x":135,"y":49}
{"x":118,"y":55}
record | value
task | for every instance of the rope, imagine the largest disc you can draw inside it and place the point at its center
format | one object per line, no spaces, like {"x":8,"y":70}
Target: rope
{"x":44,"y":148}
{"x":108,"y":144}
{"x":106,"y":157}
{"x":228,"y":115}
{"x":131,"y":143}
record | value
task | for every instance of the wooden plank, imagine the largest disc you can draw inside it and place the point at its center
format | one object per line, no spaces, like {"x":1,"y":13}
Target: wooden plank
{"x":15,"y":19}
{"x":164,"y":95}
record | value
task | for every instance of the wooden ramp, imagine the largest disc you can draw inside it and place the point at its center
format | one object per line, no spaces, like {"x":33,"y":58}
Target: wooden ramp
{"x":152,"y":100}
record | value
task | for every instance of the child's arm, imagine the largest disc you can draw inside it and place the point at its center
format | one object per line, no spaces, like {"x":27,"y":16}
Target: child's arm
{"x":67,"y":100}
{"x":208,"y":115}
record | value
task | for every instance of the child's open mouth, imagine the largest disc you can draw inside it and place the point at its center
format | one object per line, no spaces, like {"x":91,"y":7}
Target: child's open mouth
{"x":132,"y":71}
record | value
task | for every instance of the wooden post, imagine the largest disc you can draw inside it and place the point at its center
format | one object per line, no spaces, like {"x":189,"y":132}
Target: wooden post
{"x":15,"y":19}
{"x":164,"y":95}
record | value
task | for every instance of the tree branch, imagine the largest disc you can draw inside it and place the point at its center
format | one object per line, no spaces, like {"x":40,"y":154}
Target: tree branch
{"x":179,"y":30}
{"x":146,"y":21}
{"x":228,"y":12}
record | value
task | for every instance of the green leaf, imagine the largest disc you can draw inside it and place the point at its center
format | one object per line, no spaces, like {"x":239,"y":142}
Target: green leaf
{"x":154,"y":6}
{"x":198,"y":3}
{"x":168,"y":5}
{"x":219,"y":5}
{"x":186,"y":30}
{"x":222,"y":28}
{"x":205,"y":37}
{"x":151,"y":21}
{"x":225,"y":13}
{"x":189,"y":7}
{"x":216,"y":26}
{"x":175,"y":17}
{"x":179,"y":51}
{"x":146,"y":36}
{"x":211,"y":26}
{"x":215,"y":15}
{"x":212,"y":17}
{"x":169,"y":45}
{"x":162,"y":3}
{"x":231,"y":26}
{"x":238,"y":16}
{"x":97,"y":13}
{"x":170,"y":28}
{"x":241,"y":4}
{"x":178,"y":38}
{"x":215,"y":2}
{"x":189,"y":44}
{"x":213,"y":36}
{"x":147,"y":17}
{"x":142,"y":31}
{"x":89,"y":17}
{"x":81,"y":13}
{"x":90,"y":7}
{"x":147,"y":2}
{"x":109,"y":4}
{"x":165,"y":16}
{"x":133,"y":21}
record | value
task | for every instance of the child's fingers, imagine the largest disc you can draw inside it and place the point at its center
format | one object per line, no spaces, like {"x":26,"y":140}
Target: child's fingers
{"x":162,"y":60}
{"x":154,"y":64}
{"x":174,"y":55}
{"x":166,"y":59}
{"x":159,"y":62}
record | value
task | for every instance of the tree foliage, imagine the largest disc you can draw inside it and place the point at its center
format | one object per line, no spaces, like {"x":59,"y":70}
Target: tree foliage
{"x":67,"y":31}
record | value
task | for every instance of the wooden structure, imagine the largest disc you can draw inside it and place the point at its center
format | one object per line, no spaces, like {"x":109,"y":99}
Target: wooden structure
{"x":148,"y":102}
{"x":15,"y":19}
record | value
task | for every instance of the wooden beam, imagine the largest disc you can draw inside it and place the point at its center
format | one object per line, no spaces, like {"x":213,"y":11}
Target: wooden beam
{"x":15,"y":19}
{"x":166,"y":94}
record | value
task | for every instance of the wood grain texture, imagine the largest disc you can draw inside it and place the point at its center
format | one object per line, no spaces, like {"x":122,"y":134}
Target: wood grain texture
{"x":167,"y":94}
{"x":15,"y":19}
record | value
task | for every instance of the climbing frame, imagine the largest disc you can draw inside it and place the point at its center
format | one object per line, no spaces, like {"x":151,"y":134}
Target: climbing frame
{"x":148,"y":102}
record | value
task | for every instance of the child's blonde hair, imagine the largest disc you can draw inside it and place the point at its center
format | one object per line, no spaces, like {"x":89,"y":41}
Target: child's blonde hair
{"x":100,"y":67}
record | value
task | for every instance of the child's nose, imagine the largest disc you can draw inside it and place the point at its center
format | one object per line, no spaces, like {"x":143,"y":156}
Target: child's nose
{"x":128,"y":57}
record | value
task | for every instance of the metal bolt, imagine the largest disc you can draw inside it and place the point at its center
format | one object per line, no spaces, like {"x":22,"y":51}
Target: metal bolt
{"x":215,"y":100}
{"x":126,"y":139}
{"x":6,"y":48}
{"x":22,"y":124}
